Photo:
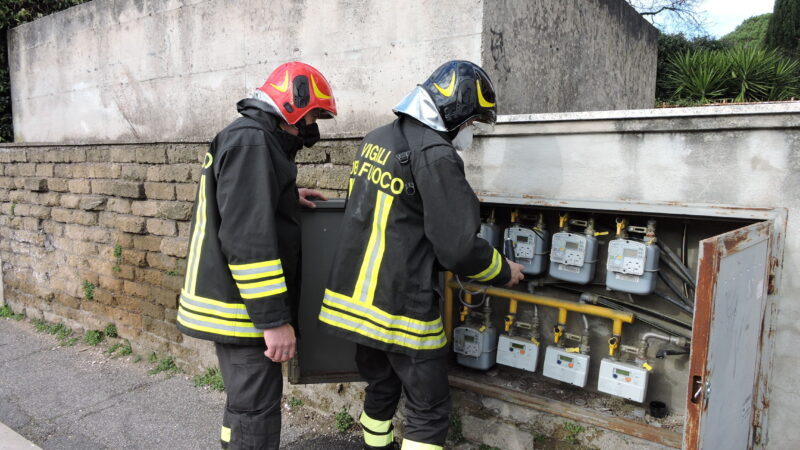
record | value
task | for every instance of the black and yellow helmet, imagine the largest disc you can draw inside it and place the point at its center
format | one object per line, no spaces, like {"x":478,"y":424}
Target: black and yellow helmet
{"x":461,"y":92}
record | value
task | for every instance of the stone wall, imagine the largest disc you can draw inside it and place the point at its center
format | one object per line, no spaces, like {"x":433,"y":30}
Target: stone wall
{"x":64,"y":210}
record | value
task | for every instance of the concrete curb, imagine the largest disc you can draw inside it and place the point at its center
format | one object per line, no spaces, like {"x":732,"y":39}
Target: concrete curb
{"x":10,"y":440}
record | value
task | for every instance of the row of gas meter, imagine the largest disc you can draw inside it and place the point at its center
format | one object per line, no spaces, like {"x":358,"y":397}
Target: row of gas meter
{"x":571,"y":256}
{"x":632,"y":264}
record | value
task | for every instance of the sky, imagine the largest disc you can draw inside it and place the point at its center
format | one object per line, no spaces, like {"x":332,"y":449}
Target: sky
{"x":723,"y":16}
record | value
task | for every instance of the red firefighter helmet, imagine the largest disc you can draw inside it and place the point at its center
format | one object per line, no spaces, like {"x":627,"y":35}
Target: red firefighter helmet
{"x":297,"y":88}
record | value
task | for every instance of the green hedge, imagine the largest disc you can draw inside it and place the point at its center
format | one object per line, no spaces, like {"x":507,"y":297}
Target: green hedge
{"x":741,"y":74}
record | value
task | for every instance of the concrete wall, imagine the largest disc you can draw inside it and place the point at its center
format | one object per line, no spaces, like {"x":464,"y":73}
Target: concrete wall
{"x":172,"y":70}
{"x":745,"y":156}
{"x":555,"y":55}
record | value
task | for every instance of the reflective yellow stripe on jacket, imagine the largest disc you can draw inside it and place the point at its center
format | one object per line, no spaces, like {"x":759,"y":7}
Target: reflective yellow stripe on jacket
{"x":367,"y":320}
{"x":492,"y":271}
{"x":250,"y":279}
{"x":213,"y":316}
{"x":359,"y":315}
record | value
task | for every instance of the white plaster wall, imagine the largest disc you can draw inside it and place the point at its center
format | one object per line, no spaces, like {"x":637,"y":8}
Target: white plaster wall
{"x":745,"y":156}
{"x":171,"y":70}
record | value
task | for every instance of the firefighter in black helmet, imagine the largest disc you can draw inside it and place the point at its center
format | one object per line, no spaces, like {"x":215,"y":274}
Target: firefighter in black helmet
{"x":410,"y":214}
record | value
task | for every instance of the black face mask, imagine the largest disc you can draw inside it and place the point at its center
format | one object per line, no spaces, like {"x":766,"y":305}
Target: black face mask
{"x":308,"y":133}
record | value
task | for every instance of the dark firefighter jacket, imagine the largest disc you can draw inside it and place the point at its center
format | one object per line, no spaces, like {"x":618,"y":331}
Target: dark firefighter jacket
{"x":242,"y":272}
{"x":410,"y":213}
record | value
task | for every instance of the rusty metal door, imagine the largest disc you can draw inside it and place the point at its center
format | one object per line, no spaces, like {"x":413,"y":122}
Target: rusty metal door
{"x":726,"y":345}
{"x":321,"y":358}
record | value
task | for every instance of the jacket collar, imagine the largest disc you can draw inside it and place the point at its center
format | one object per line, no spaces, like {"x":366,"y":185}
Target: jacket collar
{"x":259,"y":111}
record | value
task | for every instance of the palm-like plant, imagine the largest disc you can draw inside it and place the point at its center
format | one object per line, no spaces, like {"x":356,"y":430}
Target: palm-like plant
{"x":697,"y":75}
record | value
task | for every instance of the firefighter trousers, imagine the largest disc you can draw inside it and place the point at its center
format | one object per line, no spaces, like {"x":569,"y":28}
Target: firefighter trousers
{"x":424,"y":382}
{"x":254,"y":384}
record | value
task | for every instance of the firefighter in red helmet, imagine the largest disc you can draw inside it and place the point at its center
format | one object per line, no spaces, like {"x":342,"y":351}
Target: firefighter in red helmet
{"x":410,"y":214}
{"x":243,"y":270}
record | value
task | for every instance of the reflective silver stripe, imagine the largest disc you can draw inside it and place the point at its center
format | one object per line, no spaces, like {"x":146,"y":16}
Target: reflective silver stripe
{"x":215,"y":307}
{"x":265,"y":269}
{"x":407,"y":341}
{"x":380,"y":316}
{"x":263,"y":289}
{"x":218,"y":326}
{"x":380,"y":231}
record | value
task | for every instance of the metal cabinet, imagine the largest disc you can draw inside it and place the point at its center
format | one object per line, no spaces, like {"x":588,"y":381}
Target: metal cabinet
{"x":725,"y":383}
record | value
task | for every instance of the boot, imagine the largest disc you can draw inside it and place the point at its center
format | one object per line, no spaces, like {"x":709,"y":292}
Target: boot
{"x":392,"y":446}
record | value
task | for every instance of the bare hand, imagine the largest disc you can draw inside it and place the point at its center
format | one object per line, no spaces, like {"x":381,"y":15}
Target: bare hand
{"x":305,"y":194}
{"x":516,"y":273}
{"x":280,"y":343}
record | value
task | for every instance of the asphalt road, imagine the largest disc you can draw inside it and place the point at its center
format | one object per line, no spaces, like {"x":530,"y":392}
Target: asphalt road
{"x":78,"y":398}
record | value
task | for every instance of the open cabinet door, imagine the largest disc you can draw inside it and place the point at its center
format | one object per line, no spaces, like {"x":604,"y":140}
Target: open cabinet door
{"x":321,"y":358}
{"x":726,"y":338}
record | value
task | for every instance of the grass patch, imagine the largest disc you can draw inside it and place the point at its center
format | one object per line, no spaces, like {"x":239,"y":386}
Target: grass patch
{"x":7,"y":313}
{"x":59,"y":330}
{"x":173,"y":273}
{"x":152,"y":357}
{"x":93,"y":337}
{"x":165,"y":364}
{"x":111,"y":330}
{"x":110,"y":351}
{"x":40,"y":325}
{"x":117,"y":258}
{"x":456,"y":432}
{"x":487,"y":447}
{"x":539,"y":437}
{"x":343,"y":420}
{"x":573,"y":430}
{"x":88,"y":290}
{"x":212,"y":378}
{"x":13,"y":207}
{"x":295,"y":402}
{"x":70,"y":342}
{"x":126,"y":350}
{"x":137,"y":358}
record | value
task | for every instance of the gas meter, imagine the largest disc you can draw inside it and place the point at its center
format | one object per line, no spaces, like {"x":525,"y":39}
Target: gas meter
{"x":622,"y":379}
{"x":573,"y":256}
{"x":475,"y":342}
{"x":564,"y":366}
{"x":491,"y":232}
{"x":530,"y":248}
{"x":518,"y":352}
{"x":475,"y":346}
{"x":632,"y":265}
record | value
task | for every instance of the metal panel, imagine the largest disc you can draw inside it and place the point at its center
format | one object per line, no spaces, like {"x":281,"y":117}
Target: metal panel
{"x":321,"y":358}
{"x":729,"y":308}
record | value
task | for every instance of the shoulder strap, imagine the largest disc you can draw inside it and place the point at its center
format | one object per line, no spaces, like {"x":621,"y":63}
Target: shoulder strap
{"x":404,"y":158}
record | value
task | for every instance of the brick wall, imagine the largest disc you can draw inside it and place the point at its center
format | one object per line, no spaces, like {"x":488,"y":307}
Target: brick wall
{"x":65,"y":209}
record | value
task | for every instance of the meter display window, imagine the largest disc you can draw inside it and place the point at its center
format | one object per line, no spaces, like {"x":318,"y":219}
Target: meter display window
{"x":522,"y":238}
{"x":565,"y":358}
{"x":632,"y":253}
{"x":624,"y":373}
{"x":468,"y":338}
{"x":572,"y":245}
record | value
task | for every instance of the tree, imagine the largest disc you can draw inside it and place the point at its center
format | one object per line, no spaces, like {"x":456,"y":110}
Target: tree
{"x":672,"y":15}
{"x":783,"y":32}
{"x":12,"y":14}
{"x":750,"y":32}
